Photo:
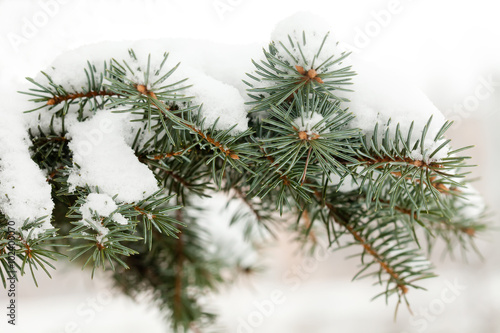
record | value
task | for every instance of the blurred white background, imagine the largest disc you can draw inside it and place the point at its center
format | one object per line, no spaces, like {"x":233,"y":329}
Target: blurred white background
{"x":449,"y":48}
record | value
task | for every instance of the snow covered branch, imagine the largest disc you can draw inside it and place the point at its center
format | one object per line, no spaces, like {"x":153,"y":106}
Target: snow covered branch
{"x":121,"y":143}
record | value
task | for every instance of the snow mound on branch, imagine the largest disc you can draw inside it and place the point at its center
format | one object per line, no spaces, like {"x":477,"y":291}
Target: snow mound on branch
{"x":221,"y":101}
{"x":379,"y":95}
{"x":215,"y":72}
{"x":306,"y":123}
{"x":211,"y":68}
{"x":221,"y":104}
{"x":308,"y":31}
{"x":106,"y":161}
{"x":104,"y":206}
{"x":24,"y":192}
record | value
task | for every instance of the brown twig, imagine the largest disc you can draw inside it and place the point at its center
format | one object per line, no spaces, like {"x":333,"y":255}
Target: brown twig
{"x":171,"y":154}
{"x":310,"y":75}
{"x":247,"y":202}
{"x":304,"y":136}
{"x":178,"y":178}
{"x":376,"y":257}
{"x":143,"y":212}
{"x":468,"y":230}
{"x":303,"y":178}
{"x":70,"y":97}
{"x":143,"y":90}
{"x":417,"y":163}
{"x":28,"y":250}
{"x":368,"y":248}
{"x":286,"y":180}
{"x":307,"y":225}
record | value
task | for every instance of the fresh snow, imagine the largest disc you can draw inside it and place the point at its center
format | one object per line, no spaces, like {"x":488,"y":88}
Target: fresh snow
{"x":24,"y":191}
{"x":227,"y":240}
{"x":307,"y":32}
{"x":379,"y":94}
{"x":471,"y":205}
{"x":307,"y":122}
{"x":104,"y":206}
{"x":214,"y":71}
{"x":105,"y":161}
{"x":222,"y":103}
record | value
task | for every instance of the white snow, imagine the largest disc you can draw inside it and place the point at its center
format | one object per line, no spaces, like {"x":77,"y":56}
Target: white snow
{"x":305,"y":52}
{"x":472,"y":205}
{"x":222,"y":104}
{"x":227,"y":241}
{"x":380,"y":95}
{"x":220,"y":100}
{"x":106,"y":161}
{"x":120,"y":219}
{"x":292,"y":316}
{"x":308,"y":122}
{"x":104,"y":206}
{"x":24,"y":191}
{"x":349,"y":184}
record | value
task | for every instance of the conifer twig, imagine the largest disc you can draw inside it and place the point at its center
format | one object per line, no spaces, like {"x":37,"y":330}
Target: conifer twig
{"x":143,"y":90}
{"x":368,"y":248}
{"x":70,"y":97}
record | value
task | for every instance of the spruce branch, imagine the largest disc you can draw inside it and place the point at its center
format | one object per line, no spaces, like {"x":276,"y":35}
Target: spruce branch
{"x":283,"y":73}
{"x":103,"y":237}
{"x":93,"y":96}
{"x":165,"y":106}
{"x":261,"y":214}
{"x":70,"y":97}
{"x":390,"y":168}
{"x":383,"y":239}
{"x":292,"y":163}
{"x":33,"y":253}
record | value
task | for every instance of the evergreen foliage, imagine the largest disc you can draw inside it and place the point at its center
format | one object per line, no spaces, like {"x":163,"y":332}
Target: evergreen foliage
{"x":292,"y":161}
